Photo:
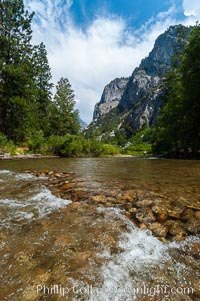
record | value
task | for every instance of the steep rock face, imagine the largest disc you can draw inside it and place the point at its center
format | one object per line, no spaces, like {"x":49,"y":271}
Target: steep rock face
{"x":139,"y":97}
{"x":143,"y":95}
{"x":142,"y":99}
{"x":111,"y":96}
{"x":166,"y":46}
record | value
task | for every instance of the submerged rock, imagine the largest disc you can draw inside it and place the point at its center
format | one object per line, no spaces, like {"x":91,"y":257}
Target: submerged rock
{"x":167,"y":219}
{"x":66,"y":186}
{"x":158,"y":229}
{"x":187,"y":215}
{"x":160,"y":212}
{"x":193,"y":226}
{"x":197,"y":214}
{"x":177,"y":229}
{"x":145,"y":215}
{"x":193,"y":250}
{"x":174,"y":213}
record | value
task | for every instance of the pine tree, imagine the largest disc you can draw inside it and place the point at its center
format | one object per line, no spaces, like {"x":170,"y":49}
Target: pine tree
{"x":168,"y":136}
{"x":64,"y":116}
{"x":190,"y":69}
{"x":178,"y":129}
{"x":16,"y":83}
{"x":42,"y":77}
{"x":25,"y":88}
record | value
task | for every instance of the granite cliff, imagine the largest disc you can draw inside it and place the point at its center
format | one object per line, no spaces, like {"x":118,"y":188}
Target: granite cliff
{"x":111,"y":96}
{"x":129,"y":104}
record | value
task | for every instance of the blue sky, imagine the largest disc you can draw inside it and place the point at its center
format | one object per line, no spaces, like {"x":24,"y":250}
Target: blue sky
{"x":91,"y":42}
{"x":136,"y":12}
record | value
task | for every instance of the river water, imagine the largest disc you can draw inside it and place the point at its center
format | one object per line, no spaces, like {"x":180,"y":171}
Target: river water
{"x":54,"y":249}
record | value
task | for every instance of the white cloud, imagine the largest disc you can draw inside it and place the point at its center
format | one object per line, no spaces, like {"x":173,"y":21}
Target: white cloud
{"x":191,"y":8}
{"x":93,"y":57}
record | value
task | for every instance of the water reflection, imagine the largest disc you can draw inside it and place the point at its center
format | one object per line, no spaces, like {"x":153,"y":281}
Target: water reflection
{"x":175,"y":178}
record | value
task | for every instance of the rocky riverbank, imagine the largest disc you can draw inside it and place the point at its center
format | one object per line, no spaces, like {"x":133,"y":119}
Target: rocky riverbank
{"x":27,"y":156}
{"x":167,"y":219}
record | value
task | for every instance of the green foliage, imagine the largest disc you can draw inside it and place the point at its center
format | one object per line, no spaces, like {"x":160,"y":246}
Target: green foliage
{"x":10,"y":148}
{"x":141,"y":136}
{"x":64,"y":119}
{"x":67,"y":146}
{"x":78,"y":146}
{"x":115,"y":137}
{"x":27,"y":113}
{"x":42,"y":95}
{"x":71,"y":146}
{"x":6,"y":146}
{"x":140,"y":143}
{"x":15,"y":64}
{"x":108,"y":149}
{"x":36,"y":142}
{"x":178,"y":129}
{"x":95,"y":148}
{"x":106,"y":128}
{"x":24,"y":75}
{"x":190,"y":69}
{"x":138,"y":149}
{"x":3,"y":140}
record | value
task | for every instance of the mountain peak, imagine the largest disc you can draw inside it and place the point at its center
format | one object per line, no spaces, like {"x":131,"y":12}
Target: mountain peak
{"x":139,"y":97}
{"x":166,"y":46}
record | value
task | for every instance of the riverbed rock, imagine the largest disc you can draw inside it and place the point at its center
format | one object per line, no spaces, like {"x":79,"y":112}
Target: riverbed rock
{"x":145,"y":203}
{"x":78,"y":195}
{"x":145,"y":215}
{"x":27,"y":171}
{"x":180,"y":236}
{"x":158,"y":229}
{"x":50,"y":173}
{"x":127,"y":197}
{"x":197,"y":214}
{"x":196,"y":286}
{"x":193,"y":249}
{"x":132,"y":210}
{"x":193,"y":226}
{"x":143,"y":226}
{"x":176,"y":227}
{"x":168,"y":219}
{"x":174,"y":213}
{"x":160,"y":212}
{"x":57,"y":175}
{"x":99,"y":199}
{"x":67,"y":186}
{"x":187,"y":215}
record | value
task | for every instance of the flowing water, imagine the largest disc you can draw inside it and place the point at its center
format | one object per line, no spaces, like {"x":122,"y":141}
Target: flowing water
{"x":55,"y":249}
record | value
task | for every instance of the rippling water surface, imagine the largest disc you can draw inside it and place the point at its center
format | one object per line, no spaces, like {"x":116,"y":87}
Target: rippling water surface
{"x":172,"y":177}
{"x":54,"y":249}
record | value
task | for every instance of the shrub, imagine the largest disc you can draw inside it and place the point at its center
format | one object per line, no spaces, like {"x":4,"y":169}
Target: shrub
{"x":36,"y":142}
{"x":108,"y":149}
{"x":7,"y":146}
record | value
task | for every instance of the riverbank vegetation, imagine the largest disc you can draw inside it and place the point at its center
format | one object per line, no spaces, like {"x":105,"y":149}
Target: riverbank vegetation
{"x":32,"y":120}
{"x":178,"y":129}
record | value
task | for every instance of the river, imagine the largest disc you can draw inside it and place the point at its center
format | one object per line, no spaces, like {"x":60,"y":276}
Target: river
{"x":54,"y":249}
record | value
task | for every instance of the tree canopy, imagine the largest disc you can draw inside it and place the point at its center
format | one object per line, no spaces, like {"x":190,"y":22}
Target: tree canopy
{"x":64,"y":116}
{"x":178,"y":129}
{"x":26,"y":106}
